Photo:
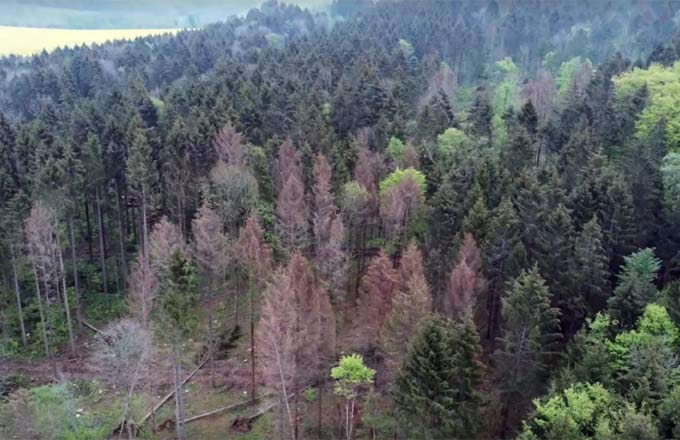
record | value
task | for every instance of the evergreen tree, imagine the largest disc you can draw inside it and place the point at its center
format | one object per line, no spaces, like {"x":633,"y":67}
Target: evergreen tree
{"x":635,"y":287}
{"x":437,"y":389}
{"x":591,"y":274}
{"x":527,"y":344}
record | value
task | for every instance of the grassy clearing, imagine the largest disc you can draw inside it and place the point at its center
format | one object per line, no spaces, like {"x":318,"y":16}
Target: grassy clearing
{"x":29,"y":41}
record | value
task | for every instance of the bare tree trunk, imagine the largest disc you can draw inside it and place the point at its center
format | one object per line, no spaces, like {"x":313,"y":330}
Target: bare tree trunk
{"x":43,"y":326}
{"x":102,"y":247}
{"x":17,"y":291}
{"x":179,"y":427}
{"x":76,"y":286}
{"x":121,"y":234}
{"x":145,"y":236}
{"x":283,"y":387}
{"x":89,"y":230}
{"x":62,"y":275}
{"x":252,"y":338}
{"x":320,"y":407}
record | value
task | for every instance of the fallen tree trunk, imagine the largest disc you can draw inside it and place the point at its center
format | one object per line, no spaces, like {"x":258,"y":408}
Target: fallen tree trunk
{"x":90,"y":326}
{"x":232,"y":407}
{"x":172,"y":393}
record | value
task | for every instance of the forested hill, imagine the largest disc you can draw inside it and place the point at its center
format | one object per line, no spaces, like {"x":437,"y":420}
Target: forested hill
{"x":436,"y":219}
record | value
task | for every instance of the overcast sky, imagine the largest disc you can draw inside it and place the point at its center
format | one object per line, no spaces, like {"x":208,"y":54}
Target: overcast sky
{"x":127,"y":13}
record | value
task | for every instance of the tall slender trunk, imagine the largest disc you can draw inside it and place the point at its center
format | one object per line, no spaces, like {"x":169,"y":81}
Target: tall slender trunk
{"x":252,"y":337}
{"x":76,"y":284}
{"x":17,"y":291}
{"x":145,"y":236}
{"x":88,"y":236}
{"x":179,"y":427}
{"x":121,"y":235}
{"x":62,"y":275}
{"x":283,"y":387}
{"x":102,"y":246}
{"x":320,"y":407}
{"x":41,"y":311}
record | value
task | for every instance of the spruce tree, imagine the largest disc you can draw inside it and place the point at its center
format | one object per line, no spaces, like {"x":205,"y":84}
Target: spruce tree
{"x":590,"y":270}
{"x":530,"y":332}
{"x":438,"y":386}
{"x":635,"y":287}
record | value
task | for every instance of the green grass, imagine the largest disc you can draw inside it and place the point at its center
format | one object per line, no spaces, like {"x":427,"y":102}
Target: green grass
{"x":29,"y":41}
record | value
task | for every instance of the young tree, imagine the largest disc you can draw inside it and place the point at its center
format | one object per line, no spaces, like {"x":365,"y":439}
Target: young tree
{"x":530,"y":331}
{"x":255,"y":258}
{"x":437,"y":389}
{"x":351,"y":378}
{"x":466,"y":281}
{"x":329,"y":230}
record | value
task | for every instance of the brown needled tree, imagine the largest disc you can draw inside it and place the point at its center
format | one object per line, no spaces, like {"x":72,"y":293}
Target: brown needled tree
{"x":291,"y":206}
{"x":255,"y":258}
{"x":329,"y":231}
{"x":466,"y":282}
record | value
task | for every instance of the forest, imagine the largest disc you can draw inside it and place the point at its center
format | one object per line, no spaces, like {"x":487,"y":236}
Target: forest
{"x":389,"y":219}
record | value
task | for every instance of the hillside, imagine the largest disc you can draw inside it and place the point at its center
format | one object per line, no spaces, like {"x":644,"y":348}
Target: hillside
{"x":389,"y":219}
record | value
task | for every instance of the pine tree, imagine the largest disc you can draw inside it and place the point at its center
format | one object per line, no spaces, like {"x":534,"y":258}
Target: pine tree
{"x":437,"y":389}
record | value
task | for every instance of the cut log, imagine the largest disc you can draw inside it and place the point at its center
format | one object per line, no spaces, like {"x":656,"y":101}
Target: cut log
{"x":172,"y":393}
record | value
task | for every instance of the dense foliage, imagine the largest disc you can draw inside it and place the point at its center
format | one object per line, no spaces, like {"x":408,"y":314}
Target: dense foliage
{"x":480,"y":199}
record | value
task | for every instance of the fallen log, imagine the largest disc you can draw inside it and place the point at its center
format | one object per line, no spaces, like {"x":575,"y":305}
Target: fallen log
{"x":90,"y":326}
{"x":231,"y":407}
{"x":172,"y":393}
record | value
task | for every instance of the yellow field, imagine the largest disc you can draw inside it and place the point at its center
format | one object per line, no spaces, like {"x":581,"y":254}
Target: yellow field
{"x":28,"y":41}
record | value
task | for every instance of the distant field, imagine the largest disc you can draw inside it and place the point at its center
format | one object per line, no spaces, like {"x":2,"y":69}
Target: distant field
{"x":28,"y":41}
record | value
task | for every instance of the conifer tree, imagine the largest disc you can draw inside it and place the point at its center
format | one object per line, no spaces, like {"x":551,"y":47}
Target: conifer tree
{"x":329,"y":231}
{"x":177,"y":311}
{"x":437,"y":389}
{"x":501,"y":254}
{"x":255,"y":257}
{"x":291,"y":205}
{"x":142,"y":175}
{"x":591,"y":274}
{"x":410,"y":305}
{"x":466,"y":281}
{"x":529,"y":333}
{"x":376,"y":293}
{"x":635,"y":287}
